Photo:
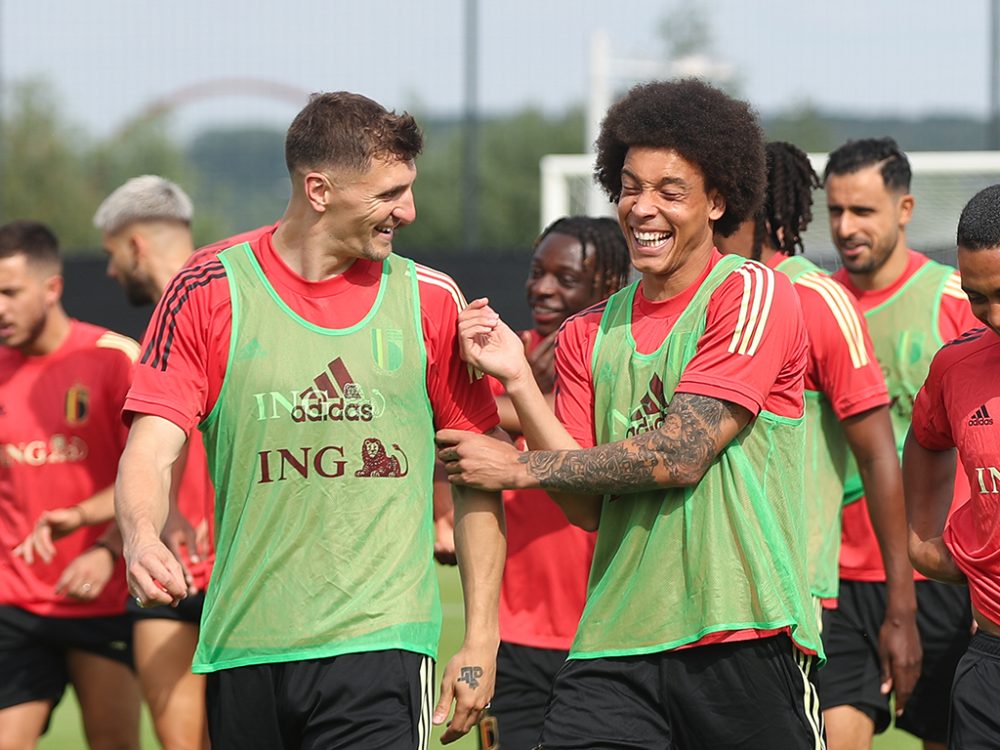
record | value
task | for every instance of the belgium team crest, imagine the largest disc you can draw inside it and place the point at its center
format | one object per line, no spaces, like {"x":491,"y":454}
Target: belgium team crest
{"x":387,"y":348}
{"x":77,"y":406}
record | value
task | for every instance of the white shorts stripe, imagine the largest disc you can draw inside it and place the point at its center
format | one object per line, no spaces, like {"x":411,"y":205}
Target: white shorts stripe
{"x":810,"y":699}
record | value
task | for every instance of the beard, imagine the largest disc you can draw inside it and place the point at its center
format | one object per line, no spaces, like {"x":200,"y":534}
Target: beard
{"x":135,"y":292}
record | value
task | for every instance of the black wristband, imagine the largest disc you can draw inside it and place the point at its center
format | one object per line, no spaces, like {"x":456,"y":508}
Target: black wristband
{"x":115,"y":554}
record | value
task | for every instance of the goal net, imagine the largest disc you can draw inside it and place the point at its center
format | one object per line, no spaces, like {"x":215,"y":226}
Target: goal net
{"x":943,"y":182}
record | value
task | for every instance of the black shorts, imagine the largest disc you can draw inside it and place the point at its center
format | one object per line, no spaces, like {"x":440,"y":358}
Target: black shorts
{"x":975,"y":696}
{"x":524,"y":684}
{"x":850,"y":636}
{"x":377,"y":699}
{"x":33,"y":651}
{"x":188,"y":610}
{"x":756,"y":695}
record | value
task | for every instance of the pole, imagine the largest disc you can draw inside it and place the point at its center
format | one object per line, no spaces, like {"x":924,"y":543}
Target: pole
{"x":470,"y":161}
{"x":994,"y":77}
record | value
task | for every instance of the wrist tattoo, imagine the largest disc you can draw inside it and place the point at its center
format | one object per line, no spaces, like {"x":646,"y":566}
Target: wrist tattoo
{"x":470,"y":676}
{"x":676,"y":453}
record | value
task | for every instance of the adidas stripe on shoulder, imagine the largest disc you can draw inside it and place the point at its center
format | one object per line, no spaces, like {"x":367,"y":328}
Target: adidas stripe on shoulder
{"x":444,"y":281}
{"x":755,"y":308}
{"x":128,"y":347}
{"x":837,"y":300}
{"x":953,"y":287}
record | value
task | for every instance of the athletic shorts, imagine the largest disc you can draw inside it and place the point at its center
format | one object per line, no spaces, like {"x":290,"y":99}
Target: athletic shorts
{"x":754,"y":695}
{"x":852,"y":677}
{"x":377,"y":699}
{"x":524,"y":684}
{"x":188,"y":610}
{"x":975,"y":696}
{"x":33,"y":651}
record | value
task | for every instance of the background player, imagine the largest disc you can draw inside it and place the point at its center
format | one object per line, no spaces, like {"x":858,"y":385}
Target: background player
{"x":62,"y":619}
{"x":846,"y":407}
{"x":146,"y":231}
{"x":697,"y":526}
{"x":955,"y":409}
{"x":577,"y":262}
{"x":305,"y":355}
{"x":912,"y":306}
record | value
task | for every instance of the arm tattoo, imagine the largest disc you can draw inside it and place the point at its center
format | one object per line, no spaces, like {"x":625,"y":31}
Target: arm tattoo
{"x":675,"y":454}
{"x":470,"y":676}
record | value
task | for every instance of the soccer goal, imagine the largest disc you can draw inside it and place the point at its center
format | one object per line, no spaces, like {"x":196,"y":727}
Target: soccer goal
{"x":943,"y":181}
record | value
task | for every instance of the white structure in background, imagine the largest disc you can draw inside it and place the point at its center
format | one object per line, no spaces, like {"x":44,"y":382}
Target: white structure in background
{"x":607,"y":70}
{"x":943,"y":182}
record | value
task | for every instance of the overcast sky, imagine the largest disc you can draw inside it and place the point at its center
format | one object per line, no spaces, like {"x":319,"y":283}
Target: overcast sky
{"x":109,"y":59}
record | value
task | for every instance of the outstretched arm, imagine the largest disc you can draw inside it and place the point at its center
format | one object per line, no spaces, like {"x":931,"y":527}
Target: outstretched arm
{"x":870,"y":437}
{"x":142,"y":503}
{"x":928,"y":483}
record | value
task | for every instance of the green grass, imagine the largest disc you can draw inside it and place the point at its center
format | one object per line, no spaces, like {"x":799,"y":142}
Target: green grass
{"x":66,"y":732}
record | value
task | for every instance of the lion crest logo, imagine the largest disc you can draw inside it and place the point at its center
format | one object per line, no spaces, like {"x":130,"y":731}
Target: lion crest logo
{"x":378,"y":463}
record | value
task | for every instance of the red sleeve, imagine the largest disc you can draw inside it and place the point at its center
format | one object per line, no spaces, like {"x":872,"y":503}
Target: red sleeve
{"x":842,"y":362}
{"x":754,"y":349}
{"x":929,"y":423}
{"x":955,"y":314}
{"x":184,"y":351}
{"x":460,"y":397}
{"x":574,"y":389}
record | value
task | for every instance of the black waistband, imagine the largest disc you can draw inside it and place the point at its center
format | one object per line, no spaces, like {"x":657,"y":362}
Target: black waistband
{"x":985,"y":643}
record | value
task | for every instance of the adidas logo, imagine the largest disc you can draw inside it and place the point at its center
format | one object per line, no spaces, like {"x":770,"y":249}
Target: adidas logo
{"x":981,"y":418}
{"x":251,"y":350}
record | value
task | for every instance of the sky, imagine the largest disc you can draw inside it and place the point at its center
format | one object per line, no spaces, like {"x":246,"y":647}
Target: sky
{"x":109,"y":60}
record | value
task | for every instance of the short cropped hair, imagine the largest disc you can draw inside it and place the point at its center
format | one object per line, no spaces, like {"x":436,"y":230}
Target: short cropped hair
{"x":341,"y":130}
{"x":979,"y":224}
{"x":32,"y":239}
{"x":867,"y":152}
{"x":717,"y":133}
{"x":145,"y":198}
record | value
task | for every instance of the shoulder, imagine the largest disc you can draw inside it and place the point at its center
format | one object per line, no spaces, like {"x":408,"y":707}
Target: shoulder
{"x":963,"y":352}
{"x":584,"y":322}
{"x":195,"y":280}
{"x":753,"y":292}
{"x":438,"y":289}
{"x":105,"y":342}
{"x":211,"y":251}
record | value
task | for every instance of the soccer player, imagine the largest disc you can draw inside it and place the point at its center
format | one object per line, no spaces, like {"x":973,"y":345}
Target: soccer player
{"x":912,"y":306}
{"x":847,"y":407}
{"x":317,"y":365}
{"x":577,"y":262}
{"x":683,"y":441}
{"x":954,"y":410}
{"x":62,"y":613}
{"x":146,"y":231}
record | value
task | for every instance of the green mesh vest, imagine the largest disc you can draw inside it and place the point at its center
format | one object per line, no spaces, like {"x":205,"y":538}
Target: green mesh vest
{"x":905,"y":334}
{"x":672,"y":566}
{"x":321,"y":451}
{"x":826,"y":466}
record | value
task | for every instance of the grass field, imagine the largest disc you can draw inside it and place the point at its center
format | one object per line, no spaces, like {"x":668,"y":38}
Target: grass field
{"x":66,"y":732}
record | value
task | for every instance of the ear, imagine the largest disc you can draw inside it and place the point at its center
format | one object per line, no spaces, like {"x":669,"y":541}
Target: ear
{"x":906,"y":204}
{"x":716,"y":205}
{"x":318,"y":190}
{"x":138,"y":246}
{"x":53,"y":289}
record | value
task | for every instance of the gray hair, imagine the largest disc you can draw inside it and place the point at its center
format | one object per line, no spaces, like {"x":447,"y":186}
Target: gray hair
{"x":144,"y":198}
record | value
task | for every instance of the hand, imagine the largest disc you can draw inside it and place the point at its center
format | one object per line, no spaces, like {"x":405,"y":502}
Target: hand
{"x":51,"y":525}
{"x":542,"y":361}
{"x":900,"y":655}
{"x":177,"y":533}
{"x":154,"y":575}
{"x":480,"y":461}
{"x":444,"y":540}
{"x":468,"y":682}
{"x":86,"y":576}
{"x":489,"y":344}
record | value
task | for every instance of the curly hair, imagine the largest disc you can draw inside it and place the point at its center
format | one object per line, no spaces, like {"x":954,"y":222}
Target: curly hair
{"x":342,"y":130}
{"x":787,"y":208}
{"x":979,"y":224}
{"x":611,"y":259}
{"x":710,"y":129}
{"x":867,"y":152}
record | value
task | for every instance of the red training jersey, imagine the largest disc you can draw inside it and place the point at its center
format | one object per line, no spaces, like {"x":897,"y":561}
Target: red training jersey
{"x":860,"y":557}
{"x":60,"y":441}
{"x":768,"y":374}
{"x":955,"y":409}
{"x":544,"y":583}
{"x":186,"y":347}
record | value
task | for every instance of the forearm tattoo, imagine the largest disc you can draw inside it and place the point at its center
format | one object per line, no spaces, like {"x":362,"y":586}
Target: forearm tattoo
{"x":470,"y":676}
{"x":675,"y":454}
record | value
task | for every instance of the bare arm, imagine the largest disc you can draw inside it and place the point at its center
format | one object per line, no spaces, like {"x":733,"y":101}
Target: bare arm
{"x":54,"y":524}
{"x":480,"y":545}
{"x":870,"y":437}
{"x":928,"y":482}
{"x":142,"y":502}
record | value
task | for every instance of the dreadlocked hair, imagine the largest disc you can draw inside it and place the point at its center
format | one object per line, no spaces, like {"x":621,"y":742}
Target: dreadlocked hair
{"x":787,"y":208}
{"x":611,"y":259}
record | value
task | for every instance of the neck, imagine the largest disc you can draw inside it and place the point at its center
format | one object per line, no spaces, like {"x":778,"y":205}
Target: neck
{"x":161,"y":274}
{"x":307,"y":249}
{"x":660,"y":287}
{"x":888,"y":273}
{"x":767,"y":253}
{"x":54,"y":332}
